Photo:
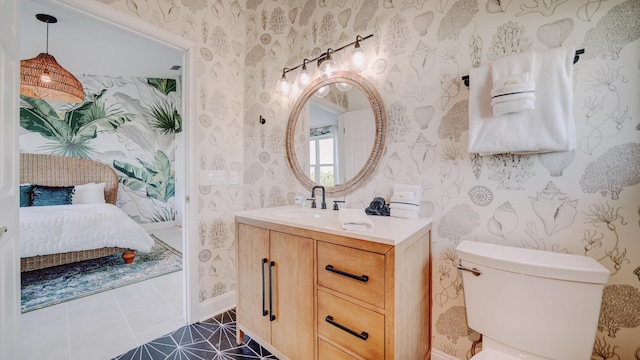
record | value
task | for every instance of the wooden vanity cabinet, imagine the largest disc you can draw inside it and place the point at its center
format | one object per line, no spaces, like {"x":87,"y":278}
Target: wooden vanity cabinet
{"x":344,"y":298}
{"x":377,"y":304}
{"x":276,"y":292}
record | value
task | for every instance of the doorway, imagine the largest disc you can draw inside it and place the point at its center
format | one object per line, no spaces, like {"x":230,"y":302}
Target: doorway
{"x":115,"y":21}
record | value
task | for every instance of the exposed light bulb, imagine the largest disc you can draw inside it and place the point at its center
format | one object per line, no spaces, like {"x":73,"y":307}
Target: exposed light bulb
{"x":304,"y":77}
{"x":45,"y":77}
{"x":327,"y":65}
{"x":358,"y":60}
{"x":344,"y":87}
{"x":284,"y":85}
{"x":322,"y":92}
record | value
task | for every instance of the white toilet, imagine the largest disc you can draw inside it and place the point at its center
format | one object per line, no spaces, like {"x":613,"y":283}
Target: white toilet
{"x":531,"y":304}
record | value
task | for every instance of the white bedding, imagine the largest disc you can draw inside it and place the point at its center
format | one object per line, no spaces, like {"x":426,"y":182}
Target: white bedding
{"x":62,"y":228}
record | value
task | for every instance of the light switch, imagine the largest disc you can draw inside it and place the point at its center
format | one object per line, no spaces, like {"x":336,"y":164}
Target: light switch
{"x":213,"y":177}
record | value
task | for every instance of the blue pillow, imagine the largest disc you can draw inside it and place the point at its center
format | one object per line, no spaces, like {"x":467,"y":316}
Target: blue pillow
{"x":25,"y":195}
{"x":49,"y":195}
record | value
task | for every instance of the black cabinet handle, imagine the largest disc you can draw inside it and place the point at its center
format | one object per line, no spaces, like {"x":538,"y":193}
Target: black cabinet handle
{"x":363,"y":278}
{"x":363,"y":335}
{"x":272,"y":317}
{"x":264,"y":301}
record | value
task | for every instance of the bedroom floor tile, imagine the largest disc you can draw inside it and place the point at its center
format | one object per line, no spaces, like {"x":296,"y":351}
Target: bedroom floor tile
{"x":42,"y":338}
{"x":145,"y":304}
{"x":167,"y":285}
{"x":100,"y":327}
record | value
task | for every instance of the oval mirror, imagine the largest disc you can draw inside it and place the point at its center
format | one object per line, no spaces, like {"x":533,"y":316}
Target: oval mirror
{"x":336,"y":133}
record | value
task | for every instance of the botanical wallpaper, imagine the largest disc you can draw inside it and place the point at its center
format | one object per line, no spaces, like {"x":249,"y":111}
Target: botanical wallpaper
{"x":127,"y":123}
{"x":586,"y":201}
{"x":217,"y":27}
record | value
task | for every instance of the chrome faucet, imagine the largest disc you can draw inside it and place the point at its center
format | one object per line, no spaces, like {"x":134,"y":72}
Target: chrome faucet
{"x":313,"y":196}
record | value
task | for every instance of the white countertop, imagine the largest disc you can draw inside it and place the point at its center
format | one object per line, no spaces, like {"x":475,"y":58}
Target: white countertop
{"x":386,"y":229}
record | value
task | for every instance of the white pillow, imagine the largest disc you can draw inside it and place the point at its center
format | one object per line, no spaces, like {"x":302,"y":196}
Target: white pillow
{"x":90,"y":193}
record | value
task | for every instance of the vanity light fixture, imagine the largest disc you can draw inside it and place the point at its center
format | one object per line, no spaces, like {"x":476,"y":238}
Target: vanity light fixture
{"x":304,"y":77}
{"x":284,"y":85}
{"x":326,"y":65}
{"x":357,"y":61}
{"x":42,"y":77}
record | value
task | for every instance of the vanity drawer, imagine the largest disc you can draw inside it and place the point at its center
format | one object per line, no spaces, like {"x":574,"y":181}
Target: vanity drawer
{"x":327,"y":351}
{"x":365,"y":266}
{"x":351,"y":326}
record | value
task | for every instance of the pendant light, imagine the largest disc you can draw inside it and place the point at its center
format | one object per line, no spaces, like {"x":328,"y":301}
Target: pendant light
{"x":42,"y":77}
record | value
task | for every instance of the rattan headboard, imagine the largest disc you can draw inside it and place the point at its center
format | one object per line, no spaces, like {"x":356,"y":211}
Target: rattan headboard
{"x":53,"y":170}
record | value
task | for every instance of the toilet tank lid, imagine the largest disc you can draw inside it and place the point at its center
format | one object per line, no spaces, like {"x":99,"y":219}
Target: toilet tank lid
{"x":534,"y":262}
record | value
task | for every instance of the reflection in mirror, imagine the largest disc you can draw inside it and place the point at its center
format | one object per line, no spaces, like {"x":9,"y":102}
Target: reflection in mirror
{"x":336,"y":133}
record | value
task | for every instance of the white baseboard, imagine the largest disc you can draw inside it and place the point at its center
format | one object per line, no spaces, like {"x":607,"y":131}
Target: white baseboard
{"x":439,"y":355}
{"x":217,"y":305}
{"x":158,"y":225}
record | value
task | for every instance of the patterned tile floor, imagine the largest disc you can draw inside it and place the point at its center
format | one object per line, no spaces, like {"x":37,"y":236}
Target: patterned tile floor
{"x":213,"y":339}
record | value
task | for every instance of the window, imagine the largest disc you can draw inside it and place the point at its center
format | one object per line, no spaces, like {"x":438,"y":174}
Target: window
{"x":322,"y":155}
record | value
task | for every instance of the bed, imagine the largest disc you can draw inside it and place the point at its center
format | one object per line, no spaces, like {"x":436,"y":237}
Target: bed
{"x":99,"y":229}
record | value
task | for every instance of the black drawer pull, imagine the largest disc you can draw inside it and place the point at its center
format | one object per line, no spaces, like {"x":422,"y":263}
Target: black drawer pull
{"x":271,"y":265}
{"x":363,"y":335}
{"x":363,"y":278}
{"x":264,"y":308}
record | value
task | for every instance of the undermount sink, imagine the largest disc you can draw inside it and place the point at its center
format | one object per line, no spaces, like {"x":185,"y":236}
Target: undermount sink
{"x":303,"y":213}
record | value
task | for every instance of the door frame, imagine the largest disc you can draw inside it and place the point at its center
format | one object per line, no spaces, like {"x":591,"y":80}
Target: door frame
{"x":9,"y":223}
{"x":193,"y":310}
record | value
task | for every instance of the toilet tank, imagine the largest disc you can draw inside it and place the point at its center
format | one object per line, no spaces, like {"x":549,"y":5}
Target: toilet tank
{"x":541,"y":302}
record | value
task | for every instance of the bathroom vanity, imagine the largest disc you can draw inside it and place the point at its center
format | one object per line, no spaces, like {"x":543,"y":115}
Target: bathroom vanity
{"x":309,"y":290}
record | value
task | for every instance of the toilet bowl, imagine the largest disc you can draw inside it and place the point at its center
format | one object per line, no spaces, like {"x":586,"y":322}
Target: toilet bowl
{"x":531,"y":304}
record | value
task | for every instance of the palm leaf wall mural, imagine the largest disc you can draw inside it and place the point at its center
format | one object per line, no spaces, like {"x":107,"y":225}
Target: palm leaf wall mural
{"x":70,"y":135}
{"x":165,"y":86}
{"x":130,"y":123}
{"x":157,"y":178}
{"x":165,"y":117}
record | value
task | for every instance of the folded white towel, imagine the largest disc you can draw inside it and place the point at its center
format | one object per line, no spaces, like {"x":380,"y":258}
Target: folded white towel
{"x":513,"y":92}
{"x":513,"y":75}
{"x":404,"y":213}
{"x":404,"y":194}
{"x":354,"y":219}
{"x":415,"y":202}
{"x":504,"y":71}
{"x":550,"y":127}
{"x":513,"y":98}
{"x":404,"y":206}
{"x":513,"y":105}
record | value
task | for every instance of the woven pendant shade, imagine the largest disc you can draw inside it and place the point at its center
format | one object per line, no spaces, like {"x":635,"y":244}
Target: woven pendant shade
{"x":62,"y":86}
{"x":42,"y":77}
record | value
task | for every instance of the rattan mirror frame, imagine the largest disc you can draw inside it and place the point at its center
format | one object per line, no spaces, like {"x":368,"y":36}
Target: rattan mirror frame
{"x":380,"y":117}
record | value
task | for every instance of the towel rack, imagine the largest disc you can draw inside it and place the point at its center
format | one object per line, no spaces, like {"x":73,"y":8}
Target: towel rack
{"x":575,"y":60}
